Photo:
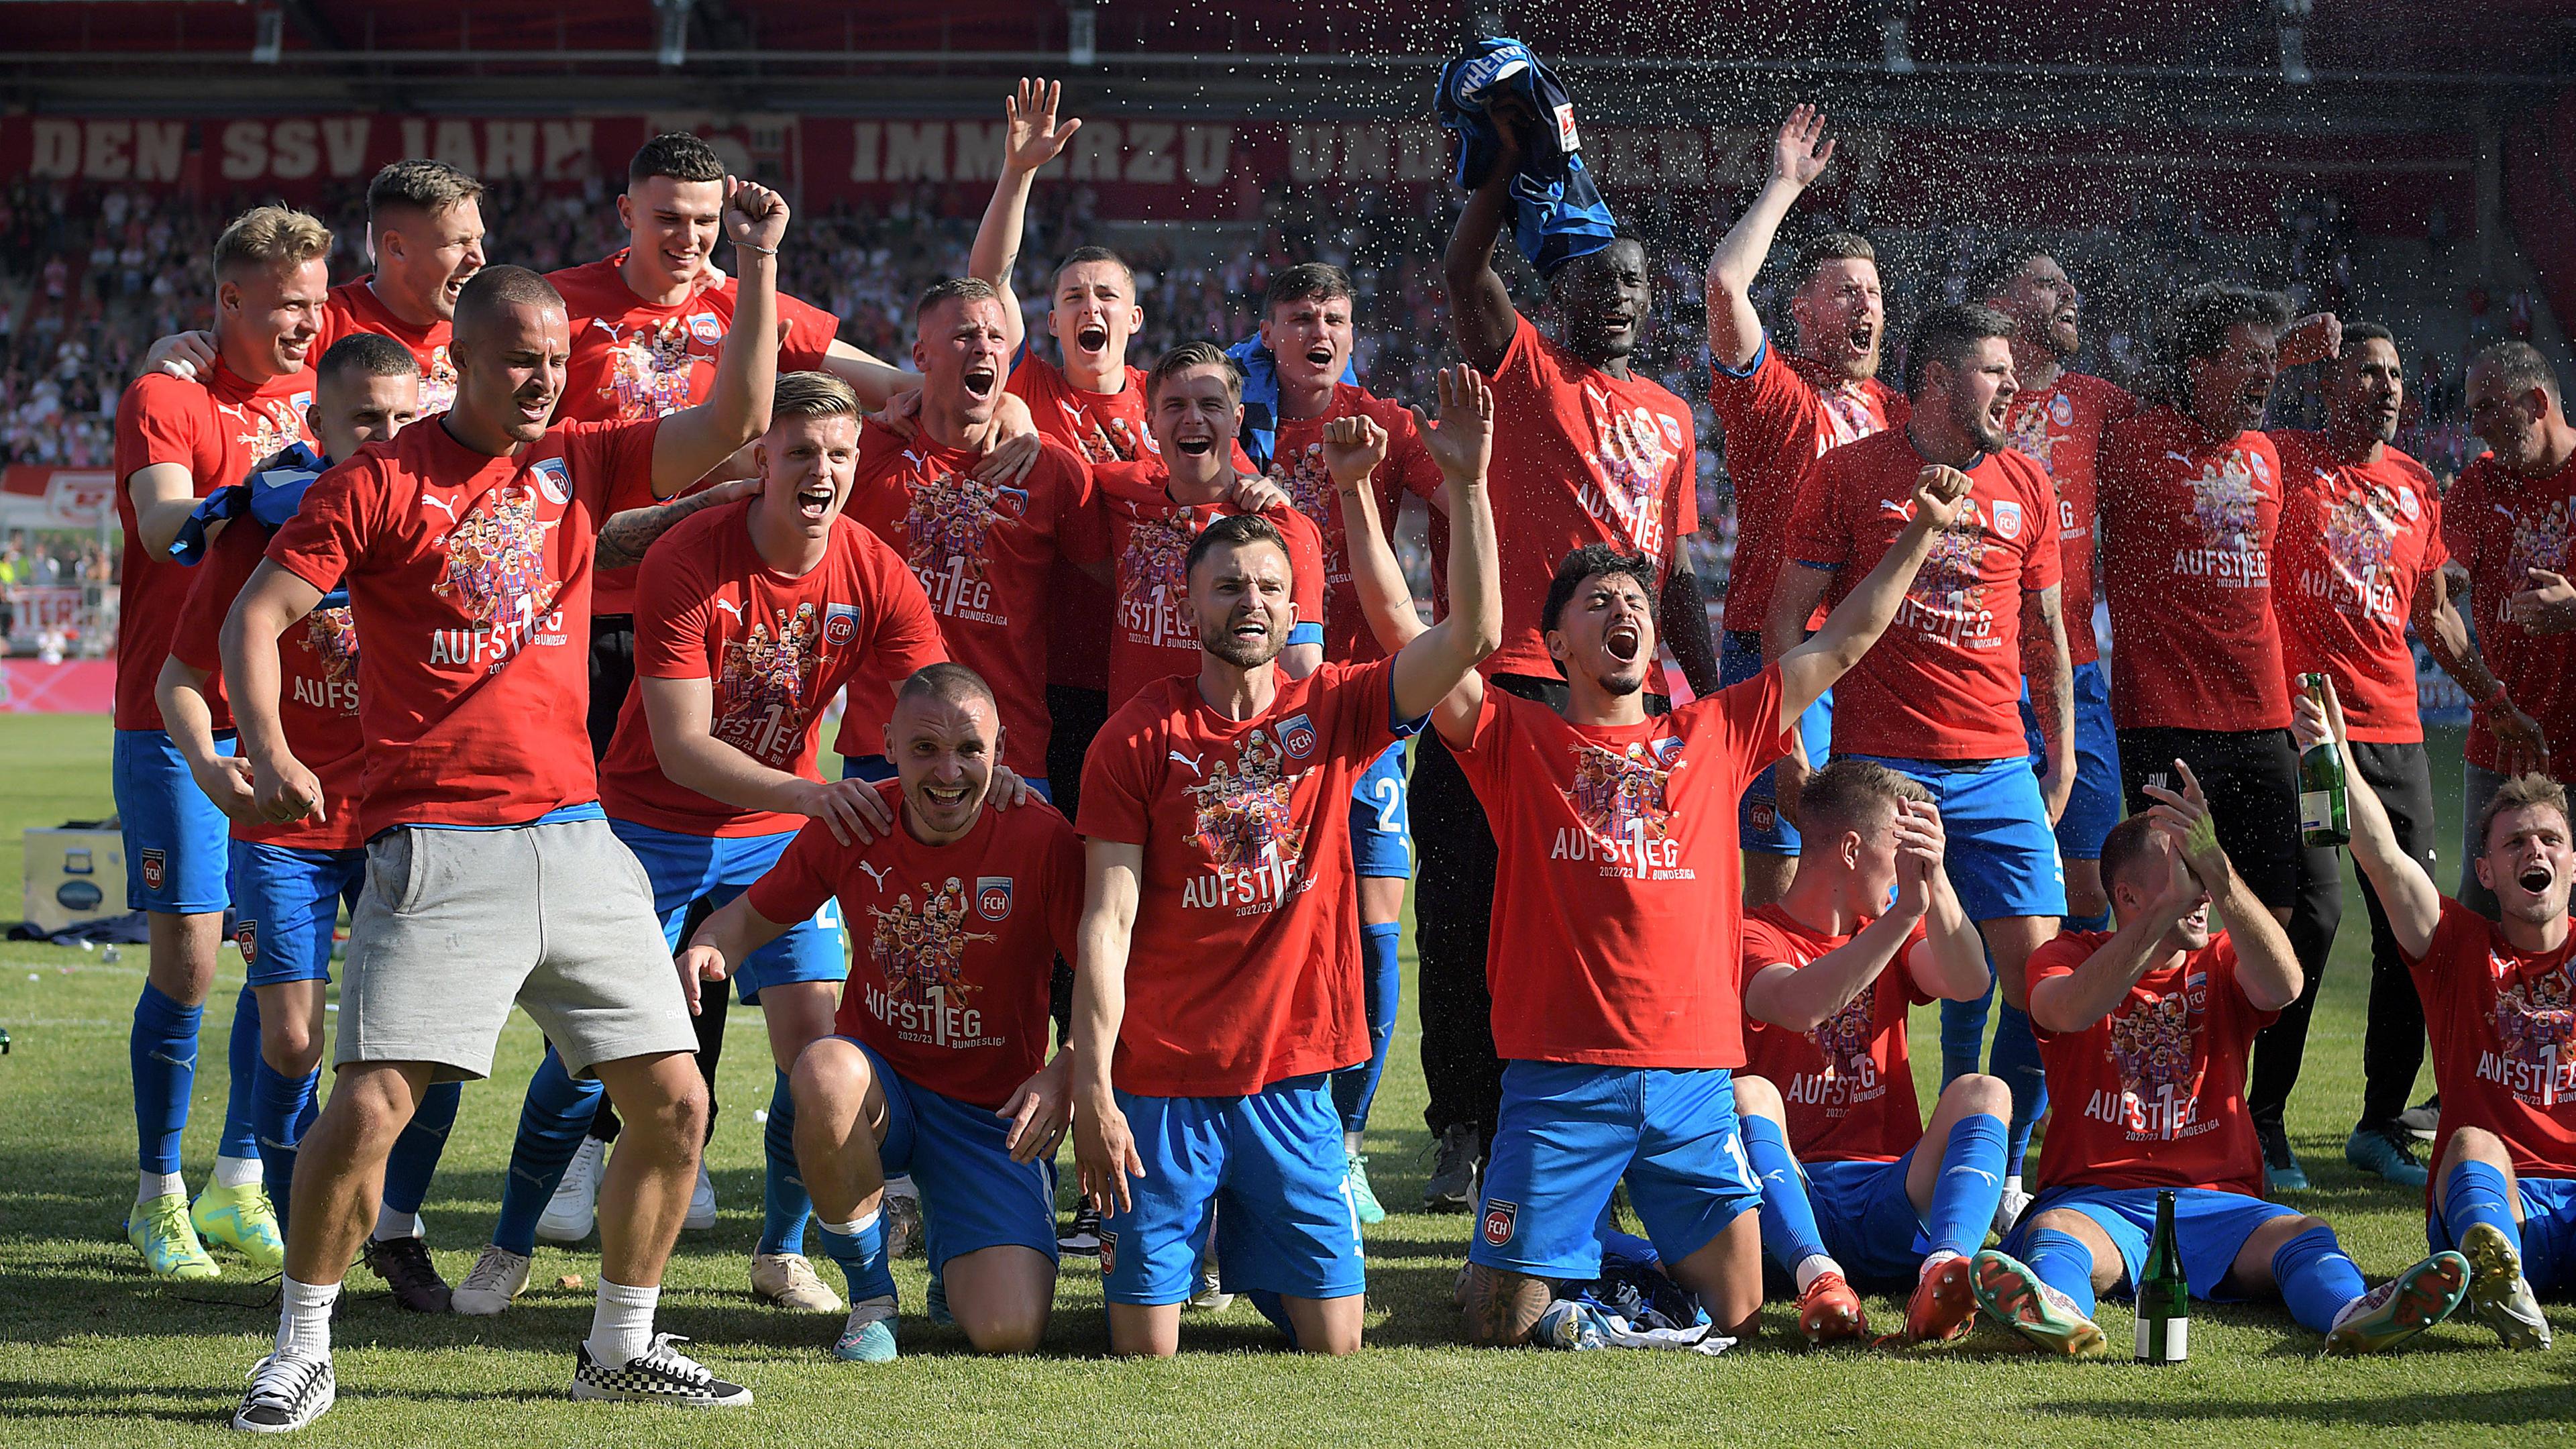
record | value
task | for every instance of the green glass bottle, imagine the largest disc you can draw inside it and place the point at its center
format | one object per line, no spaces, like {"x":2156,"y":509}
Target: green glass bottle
{"x":2164,"y":1299}
{"x":2324,"y":811}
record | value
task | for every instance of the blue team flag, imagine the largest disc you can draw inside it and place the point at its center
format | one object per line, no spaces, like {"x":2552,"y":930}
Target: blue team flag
{"x":1558,"y":213}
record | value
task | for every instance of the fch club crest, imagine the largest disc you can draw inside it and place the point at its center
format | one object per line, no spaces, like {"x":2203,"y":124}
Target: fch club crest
{"x":993,"y":897}
{"x":840,"y":624}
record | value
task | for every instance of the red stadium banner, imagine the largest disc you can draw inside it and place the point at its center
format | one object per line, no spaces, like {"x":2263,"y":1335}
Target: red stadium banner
{"x":35,"y":496}
{"x":1215,"y":169}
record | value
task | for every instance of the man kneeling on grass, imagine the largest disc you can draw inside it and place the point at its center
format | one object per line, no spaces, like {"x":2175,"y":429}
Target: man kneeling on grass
{"x":937,"y":1067}
{"x":2144,"y":1033}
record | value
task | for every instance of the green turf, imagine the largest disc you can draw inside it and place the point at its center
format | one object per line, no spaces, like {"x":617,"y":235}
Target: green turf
{"x":94,"y":1352}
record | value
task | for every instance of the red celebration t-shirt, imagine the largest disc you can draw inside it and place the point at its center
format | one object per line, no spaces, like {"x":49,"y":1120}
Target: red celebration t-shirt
{"x":2060,"y":427}
{"x":1944,"y":682}
{"x":2187,"y":531}
{"x":354,"y":307}
{"x":2503,"y":1027}
{"x":1097,"y":427}
{"x":636,"y":359}
{"x":469,"y":579}
{"x":317,"y":695}
{"x":1849,"y":1083}
{"x":1617,"y":895}
{"x":985,"y":555}
{"x":2357,"y":540}
{"x":1779,"y":416}
{"x":1579,"y":457}
{"x":2498,"y":525}
{"x":1297,"y":466}
{"x":776,"y":646}
{"x":218,"y":430}
{"x":952,"y":946}
{"x":1243,"y":967}
{"x":1146,"y":538}
{"x":2153,"y":1094}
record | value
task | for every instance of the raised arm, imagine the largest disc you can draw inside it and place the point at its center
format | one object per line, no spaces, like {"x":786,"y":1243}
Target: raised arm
{"x":1811,"y":668}
{"x":2076,"y":1000}
{"x":281,"y":787}
{"x":2409,"y":896}
{"x":1430,"y":668}
{"x":1031,"y":139}
{"x":2266,"y":971}
{"x":1103,"y":1152}
{"x":1681,"y":617}
{"x":1481,"y":316}
{"x":692,"y":441}
{"x":1950,"y":962}
{"x":2048,"y":667}
{"x":682,"y":714}
{"x":1798,"y":156}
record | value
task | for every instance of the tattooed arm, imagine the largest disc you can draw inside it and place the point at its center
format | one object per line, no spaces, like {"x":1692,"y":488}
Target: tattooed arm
{"x":2052,"y":692}
{"x":1501,"y":1306}
{"x":625,"y":537}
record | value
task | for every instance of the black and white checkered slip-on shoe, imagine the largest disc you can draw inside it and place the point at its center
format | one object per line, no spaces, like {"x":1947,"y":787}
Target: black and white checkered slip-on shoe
{"x":287,"y":1392}
{"x":659,"y":1375}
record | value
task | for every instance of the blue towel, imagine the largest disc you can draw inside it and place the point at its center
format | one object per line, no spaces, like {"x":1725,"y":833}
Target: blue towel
{"x":270,"y":496}
{"x":1558,"y":214}
{"x":1261,"y":397}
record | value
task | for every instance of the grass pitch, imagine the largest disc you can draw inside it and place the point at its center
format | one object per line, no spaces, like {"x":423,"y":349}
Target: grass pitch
{"x":93,"y":1351}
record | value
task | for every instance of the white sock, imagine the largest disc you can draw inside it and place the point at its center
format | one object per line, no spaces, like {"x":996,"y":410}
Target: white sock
{"x":159,"y":1184}
{"x":304,"y":1317}
{"x":1813,"y":1267}
{"x":236,"y":1171}
{"x":2012,"y":1184}
{"x":391,"y":1225}
{"x":621,"y":1325}
{"x":1351,"y":1143}
{"x":1939,"y":1257}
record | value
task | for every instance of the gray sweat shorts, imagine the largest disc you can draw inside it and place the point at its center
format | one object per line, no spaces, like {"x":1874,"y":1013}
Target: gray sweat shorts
{"x":455,"y":925}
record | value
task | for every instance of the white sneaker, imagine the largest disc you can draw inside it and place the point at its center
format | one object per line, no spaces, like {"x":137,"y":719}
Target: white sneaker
{"x":660,"y":1375}
{"x":1211,"y":1296}
{"x":287,"y":1392}
{"x":702,"y":1203}
{"x":789,"y":1280}
{"x":498,"y":1277}
{"x":574,"y":1209}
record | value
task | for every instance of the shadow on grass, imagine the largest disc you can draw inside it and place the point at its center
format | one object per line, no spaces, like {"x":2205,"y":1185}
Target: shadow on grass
{"x":2489,"y":1407}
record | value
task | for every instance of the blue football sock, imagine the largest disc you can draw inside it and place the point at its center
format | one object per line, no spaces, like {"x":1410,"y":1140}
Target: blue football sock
{"x":784,"y":1203}
{"x":163,"y":1050}
{"x":552,"y":1122}
{"x":2100,"y":922}
{"x":1270,"y":1306}
{"x":414,"y":1160}
{"x":284,"y":1107}
{"x":2473,"y":1193}
{"x":1788,"y":1220}
{"x":861,"y":1254}
{"x":1963,"y":1035}
{"x":241,"y":1059}
{"x":2062,"y":1262}
{"x":2316,"y":1279}
{"x":2016,"y":1061}
{"x":1355,"y":1087}
{"x":1970,"y":1185}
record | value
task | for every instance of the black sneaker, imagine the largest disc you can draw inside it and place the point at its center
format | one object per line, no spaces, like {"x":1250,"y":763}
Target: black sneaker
{"x":2280,"y":1165}
{"x":404,"y":1265}
{"x":659,"y":1375}
{"x":1452,"y":1188}
{"x":287,"y":1392}
{"x":2422,"y":1120}
{"x":1081,"y":1237}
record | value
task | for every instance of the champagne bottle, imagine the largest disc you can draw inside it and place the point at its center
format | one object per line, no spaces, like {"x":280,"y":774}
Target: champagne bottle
{"x":2324,"y":811}
{"x":2164,"y":1299}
